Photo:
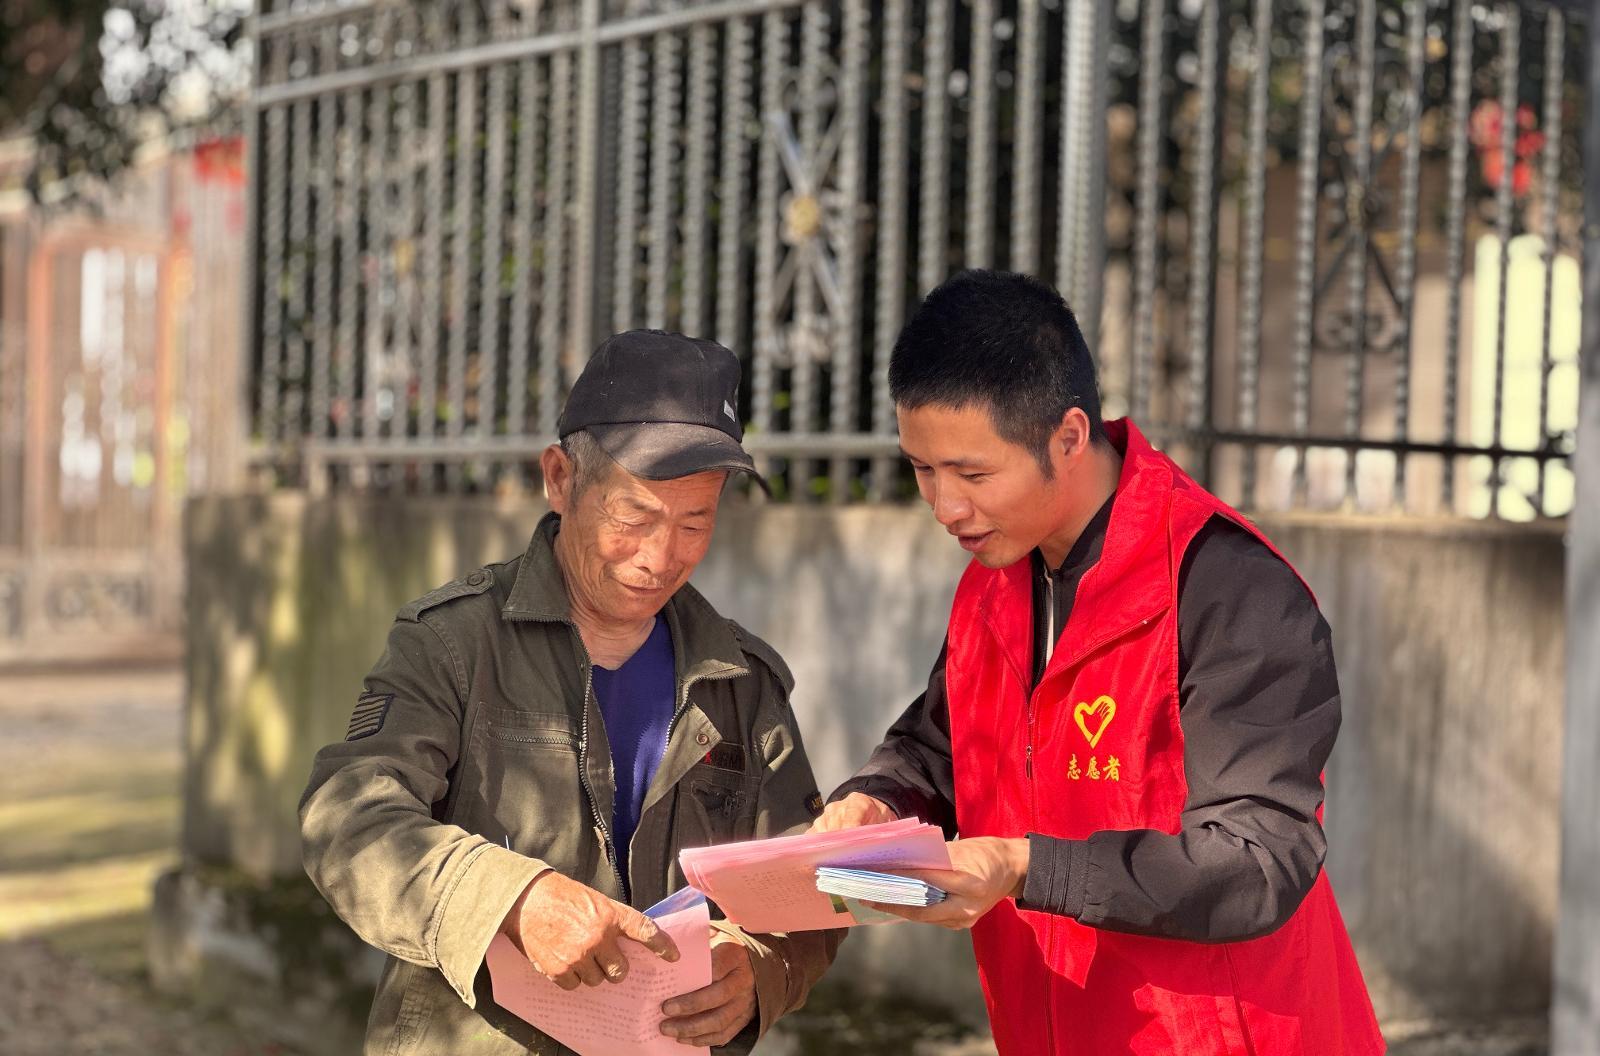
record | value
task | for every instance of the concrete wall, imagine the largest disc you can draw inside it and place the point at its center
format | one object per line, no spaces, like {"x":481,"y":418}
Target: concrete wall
{"x":1442,"y":811}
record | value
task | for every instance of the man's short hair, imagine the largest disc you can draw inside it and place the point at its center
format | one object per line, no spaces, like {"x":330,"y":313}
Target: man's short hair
{"x":590,"y":463}
{"x":1002,"y":341}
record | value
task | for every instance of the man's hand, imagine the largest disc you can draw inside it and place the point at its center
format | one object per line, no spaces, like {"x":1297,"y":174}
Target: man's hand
{"x":715,"y":1014}
{"x":983,"y":870}
{"x":570,"y":932}
{"x":851,"y":812}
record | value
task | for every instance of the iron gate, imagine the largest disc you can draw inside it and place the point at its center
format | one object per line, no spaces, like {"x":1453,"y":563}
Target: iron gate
{"x":1283,"y":225}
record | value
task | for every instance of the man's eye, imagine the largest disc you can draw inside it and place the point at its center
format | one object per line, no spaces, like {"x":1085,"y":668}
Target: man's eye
{"x":921,"y":470}
{"x":974,"y":478}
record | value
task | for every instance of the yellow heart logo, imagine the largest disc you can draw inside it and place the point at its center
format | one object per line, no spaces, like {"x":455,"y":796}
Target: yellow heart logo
{"x":1104,"y":708}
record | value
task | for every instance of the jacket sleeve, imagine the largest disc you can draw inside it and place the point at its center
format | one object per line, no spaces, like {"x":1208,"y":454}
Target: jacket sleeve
{"x":426,"y":892}
{"x":786,"y":965}
{"x":911,"y":771}
{"x":1259,"y":709}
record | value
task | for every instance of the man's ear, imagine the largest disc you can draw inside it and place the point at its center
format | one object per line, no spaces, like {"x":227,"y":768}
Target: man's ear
{"x":556,"y":469}
{"x":1072,"y":437}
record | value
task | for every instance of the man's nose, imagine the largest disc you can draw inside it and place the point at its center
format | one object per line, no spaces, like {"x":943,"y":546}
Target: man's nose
{"x":655,"y":551}
{"x":949,"y":507}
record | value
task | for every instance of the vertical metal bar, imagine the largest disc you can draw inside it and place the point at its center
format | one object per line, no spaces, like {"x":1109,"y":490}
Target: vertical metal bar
{"x":934,"y":243}
{"x":664,"y":129}
{"x":774,"y":66}
{"x":299,"y":266}
{"x":1255,"y":209}
{"x":1081,"y":247}
{"x":248,"y":403}
{"x":803,"y":367}
{"x":697,"y":191}
{"x":1025,"y":170}
{"x":980,"y":139}
{"x":1456,"y":235}
{"x":1306,"y":232}
{"x":1410,"y":176}
{"x":432,"y":256}
{"x":379,"y":255}
{"x":349,"y":265}
{"x":586,"y":216}
{"x":555,"y":243}
{"x":1550,"y":181}
{"x":738,"y":66}
{"x":630,"y":168}
{"x":846,"y":331}
{"x":494,"y":199}
{"x":1356,"y":218}
{"x":276,"y":165}
{"x":402,"y":368}
{"x":1147,"y":205}
{"x":891,"y":264}
{"x":322,"y":263}
{"x":466,"y":194}
{"x":530,"y":111}
{"x":607,"y":191}
{"x":1203,"y":234}
{"x":1510,"y":58}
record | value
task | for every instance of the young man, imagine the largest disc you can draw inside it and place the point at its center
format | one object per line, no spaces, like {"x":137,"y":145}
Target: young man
{"x":543,"y":735}
{"x":1127,"y":725}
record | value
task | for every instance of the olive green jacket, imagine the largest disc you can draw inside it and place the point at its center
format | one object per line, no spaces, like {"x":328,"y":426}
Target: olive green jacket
{"x":477,"y":757}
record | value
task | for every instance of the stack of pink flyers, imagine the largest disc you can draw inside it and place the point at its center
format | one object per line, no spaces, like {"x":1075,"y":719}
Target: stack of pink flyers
{"x":771,"y":885}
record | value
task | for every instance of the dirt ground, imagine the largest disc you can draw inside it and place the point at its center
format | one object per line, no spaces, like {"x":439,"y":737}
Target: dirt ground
{"x":89,"y":814}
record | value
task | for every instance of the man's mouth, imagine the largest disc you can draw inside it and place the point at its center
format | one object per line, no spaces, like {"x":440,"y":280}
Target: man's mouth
{"x":972,"y":542}
{"x":642,"y":590}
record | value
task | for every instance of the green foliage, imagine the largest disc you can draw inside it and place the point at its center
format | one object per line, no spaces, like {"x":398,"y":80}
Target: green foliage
{"x":89,"y":80}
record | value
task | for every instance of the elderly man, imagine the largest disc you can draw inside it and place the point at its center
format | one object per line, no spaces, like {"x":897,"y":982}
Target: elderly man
{"x":542,"y":736}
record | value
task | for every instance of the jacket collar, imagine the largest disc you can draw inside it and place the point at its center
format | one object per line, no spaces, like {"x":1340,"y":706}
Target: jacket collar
{"x":703,"y":641}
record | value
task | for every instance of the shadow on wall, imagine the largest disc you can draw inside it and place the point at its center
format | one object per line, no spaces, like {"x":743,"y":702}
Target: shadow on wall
{"x":1443,"y":809}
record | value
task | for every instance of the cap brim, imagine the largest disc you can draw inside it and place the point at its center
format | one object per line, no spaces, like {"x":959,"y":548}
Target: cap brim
{"x":667,"y":450}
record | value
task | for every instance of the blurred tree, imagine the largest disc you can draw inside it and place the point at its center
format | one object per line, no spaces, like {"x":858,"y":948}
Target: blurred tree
{"x":89,"y":80}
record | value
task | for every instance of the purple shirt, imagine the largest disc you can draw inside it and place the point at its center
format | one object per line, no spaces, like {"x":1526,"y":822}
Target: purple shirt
{"x":637,"y":701}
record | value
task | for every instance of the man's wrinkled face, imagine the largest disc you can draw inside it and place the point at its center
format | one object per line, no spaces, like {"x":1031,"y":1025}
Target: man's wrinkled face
{"x":627,"y":544}
{"x":988,"y":492}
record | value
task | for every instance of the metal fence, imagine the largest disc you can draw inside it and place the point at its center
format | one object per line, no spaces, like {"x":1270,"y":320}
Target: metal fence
{"x":1326,"y":251}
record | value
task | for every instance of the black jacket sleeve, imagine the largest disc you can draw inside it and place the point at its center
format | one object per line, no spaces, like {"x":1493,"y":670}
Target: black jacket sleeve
{"x":911,"y":770}
{"x":1259,"y":702}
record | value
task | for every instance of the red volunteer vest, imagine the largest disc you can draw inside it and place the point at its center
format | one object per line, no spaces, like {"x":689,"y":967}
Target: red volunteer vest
{"x":1106,"y":752}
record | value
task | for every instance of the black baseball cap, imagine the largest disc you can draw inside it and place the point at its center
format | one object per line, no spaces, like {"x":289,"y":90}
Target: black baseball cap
{"x":662,"y":405}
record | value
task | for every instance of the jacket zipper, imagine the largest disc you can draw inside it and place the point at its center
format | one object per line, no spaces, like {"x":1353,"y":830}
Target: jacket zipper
{"x":1033,"y":797}
{"x":588,"y":790}
{"x":1049,"y":651}
{"x":563,"y":740}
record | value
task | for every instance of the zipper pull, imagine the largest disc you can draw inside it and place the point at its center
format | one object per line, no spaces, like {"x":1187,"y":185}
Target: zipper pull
{"x":1030,"y":761}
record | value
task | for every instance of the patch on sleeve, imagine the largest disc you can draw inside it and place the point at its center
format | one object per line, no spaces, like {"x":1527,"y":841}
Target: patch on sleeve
{"x":368,"y":718}
{"x":814,"y":804}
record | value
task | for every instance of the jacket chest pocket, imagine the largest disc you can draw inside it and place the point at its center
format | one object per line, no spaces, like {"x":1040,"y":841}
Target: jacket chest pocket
{"x":526,"y":789}
{"x":513,"y":729}
{"x":718,"y":806}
